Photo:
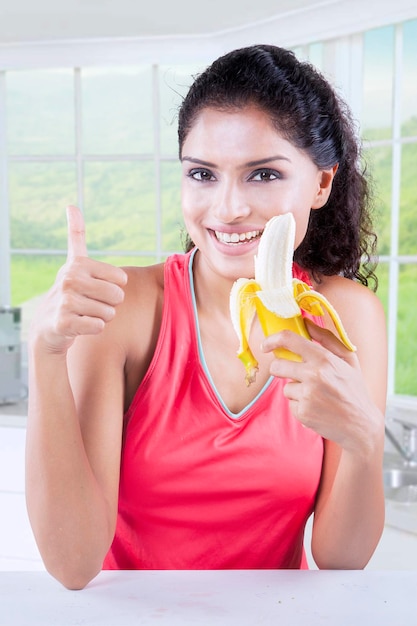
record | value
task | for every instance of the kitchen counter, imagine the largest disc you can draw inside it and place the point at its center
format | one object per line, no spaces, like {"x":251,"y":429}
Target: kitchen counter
{"x":233,"y":597}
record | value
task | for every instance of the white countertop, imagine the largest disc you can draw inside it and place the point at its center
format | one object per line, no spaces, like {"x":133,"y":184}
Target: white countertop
{"x":234,"y":597}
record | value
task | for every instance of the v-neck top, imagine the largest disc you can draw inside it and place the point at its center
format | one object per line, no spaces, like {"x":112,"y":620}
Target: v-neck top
{"x":201,"y":487}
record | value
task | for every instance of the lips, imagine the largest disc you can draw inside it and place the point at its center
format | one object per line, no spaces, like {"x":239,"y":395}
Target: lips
{"x":237,"y":238}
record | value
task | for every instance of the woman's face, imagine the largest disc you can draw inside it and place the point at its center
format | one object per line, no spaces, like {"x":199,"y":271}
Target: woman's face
{"x":237,"y":173}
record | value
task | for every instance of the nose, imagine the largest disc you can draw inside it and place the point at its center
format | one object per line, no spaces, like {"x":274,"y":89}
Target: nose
{"x":230,"y":203}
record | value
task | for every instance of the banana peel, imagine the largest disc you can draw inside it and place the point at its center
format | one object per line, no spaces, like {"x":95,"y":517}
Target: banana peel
{"x":276,"y":297}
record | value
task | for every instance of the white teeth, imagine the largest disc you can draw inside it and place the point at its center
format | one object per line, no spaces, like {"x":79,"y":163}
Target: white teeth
{"x":235,"y":238}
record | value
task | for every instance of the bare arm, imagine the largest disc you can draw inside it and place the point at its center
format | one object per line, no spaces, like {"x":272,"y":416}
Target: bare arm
{"x":72,"y":459}
{"x":341,"y":395}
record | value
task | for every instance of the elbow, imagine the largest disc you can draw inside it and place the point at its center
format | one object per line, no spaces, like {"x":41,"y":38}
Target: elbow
{"x":333,"y":560}
{"x":73,"y":581}
{"x":331,"y":564}
{"x":72,"y":576}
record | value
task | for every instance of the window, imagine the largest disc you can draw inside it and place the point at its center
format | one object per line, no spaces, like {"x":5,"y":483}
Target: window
{"x":105,"y":139}
{"x":389,"y":126}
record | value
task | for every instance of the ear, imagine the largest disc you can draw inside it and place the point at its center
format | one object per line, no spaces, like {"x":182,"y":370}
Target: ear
{"x":324,"y":186}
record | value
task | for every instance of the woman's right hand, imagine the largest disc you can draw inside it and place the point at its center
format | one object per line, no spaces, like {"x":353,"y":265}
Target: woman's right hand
{"x":83,"y":298}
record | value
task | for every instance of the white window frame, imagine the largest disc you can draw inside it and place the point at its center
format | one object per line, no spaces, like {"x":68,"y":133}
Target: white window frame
{"x":340,"y":28}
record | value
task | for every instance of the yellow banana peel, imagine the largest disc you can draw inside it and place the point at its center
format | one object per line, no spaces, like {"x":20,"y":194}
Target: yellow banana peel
{"x":275,"y":296}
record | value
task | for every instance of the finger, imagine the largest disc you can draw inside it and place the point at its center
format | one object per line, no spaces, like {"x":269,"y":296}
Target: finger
{"x":286,"y":340}
{"x":80,"y":311}
{"x":292,"y":390}
{"x":107,"y":273}
{"x":305,"y":348}
{"x":286,"y":368}
{"x":81,"y":325}
{"x":96,"y":280}
{"x":76,"y":233}
{"x":329,"y":340}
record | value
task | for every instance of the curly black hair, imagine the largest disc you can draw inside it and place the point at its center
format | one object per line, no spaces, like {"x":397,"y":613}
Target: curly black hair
{"x":309,"y":113}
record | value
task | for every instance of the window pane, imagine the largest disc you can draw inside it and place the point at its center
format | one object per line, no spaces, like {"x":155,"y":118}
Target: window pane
{"x":117,"y":111}
{"x":124,"y":261}
{"x":174,"y":83}
{"x":377,"y":83}
{"x":39,"y":194}
{"x":32,"y":275}
{"x":315,"y":55}
{"x":120,"y":206}
{"x":40,"y":112}
{"x":172,"y":222}
{"x":408,"y":213}
{"x":409,"y":80}
{"x":383,"y":280}
{"x":379,"y":161}
{"x":299,"y":52}
{"x":406,"y":361}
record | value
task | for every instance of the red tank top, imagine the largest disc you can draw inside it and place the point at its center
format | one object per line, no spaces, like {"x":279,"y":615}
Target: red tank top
{"x":200,"y":487}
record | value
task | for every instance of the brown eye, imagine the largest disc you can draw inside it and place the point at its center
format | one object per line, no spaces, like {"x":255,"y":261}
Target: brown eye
{"x":265,"y":175}
{"x":201,"y":174}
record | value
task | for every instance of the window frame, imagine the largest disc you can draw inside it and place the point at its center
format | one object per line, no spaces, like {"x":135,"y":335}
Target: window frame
{"x":342,"y":62}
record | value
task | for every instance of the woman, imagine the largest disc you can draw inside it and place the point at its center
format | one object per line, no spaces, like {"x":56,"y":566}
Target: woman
{"x":145,"y":448}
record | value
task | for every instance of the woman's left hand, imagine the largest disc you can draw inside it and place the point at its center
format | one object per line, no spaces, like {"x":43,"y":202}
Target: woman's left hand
{"x":326,"y":390}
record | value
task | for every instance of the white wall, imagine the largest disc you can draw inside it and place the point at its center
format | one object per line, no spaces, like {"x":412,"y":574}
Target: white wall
{"x":327,"y":19}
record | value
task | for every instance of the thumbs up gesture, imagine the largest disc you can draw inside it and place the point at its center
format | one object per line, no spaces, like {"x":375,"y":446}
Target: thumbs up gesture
{"x":85,"y":294}
{"x":76,"y":233}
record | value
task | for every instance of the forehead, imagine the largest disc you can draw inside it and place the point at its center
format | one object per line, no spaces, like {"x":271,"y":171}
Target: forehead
{"x":209,"y":116}
{"x":247,"y":131}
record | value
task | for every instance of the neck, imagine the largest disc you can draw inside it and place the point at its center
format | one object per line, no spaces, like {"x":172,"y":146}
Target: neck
{"x":212,"y":291}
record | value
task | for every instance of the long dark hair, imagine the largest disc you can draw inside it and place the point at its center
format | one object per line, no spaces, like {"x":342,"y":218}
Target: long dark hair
{"x":309,"y":113}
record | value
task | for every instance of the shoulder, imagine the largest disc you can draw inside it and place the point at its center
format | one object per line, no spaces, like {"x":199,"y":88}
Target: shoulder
{"x":359,"y":308}
{"x":351,"y":299}
{"x":144,"y":293}
{"x":363,"y":317}
{"x":146,"y":282}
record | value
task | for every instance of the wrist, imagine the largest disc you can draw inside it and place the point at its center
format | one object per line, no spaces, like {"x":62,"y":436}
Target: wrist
{"x":42,"y":345}
{"x":368,"y":440}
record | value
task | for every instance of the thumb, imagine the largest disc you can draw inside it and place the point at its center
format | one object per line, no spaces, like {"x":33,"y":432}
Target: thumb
{"x":76,"y":233}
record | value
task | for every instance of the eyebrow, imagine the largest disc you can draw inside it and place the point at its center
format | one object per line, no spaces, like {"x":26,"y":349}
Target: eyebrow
{"x":199,"y":161}
{"x":277,"y":157}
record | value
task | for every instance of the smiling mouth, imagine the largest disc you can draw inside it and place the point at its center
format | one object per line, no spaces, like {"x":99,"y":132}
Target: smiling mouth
{"x":237,"y":238}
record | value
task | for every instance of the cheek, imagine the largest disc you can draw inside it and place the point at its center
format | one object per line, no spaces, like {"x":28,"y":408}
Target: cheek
{"x":301,"y":227}
{"x":189,"y":194}
{"x":191,"y":212}
{"x":186,"y":198}
{"x":194,"y":203}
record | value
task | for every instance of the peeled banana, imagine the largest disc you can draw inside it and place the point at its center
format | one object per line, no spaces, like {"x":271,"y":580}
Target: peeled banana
{"x":275,"y":296}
